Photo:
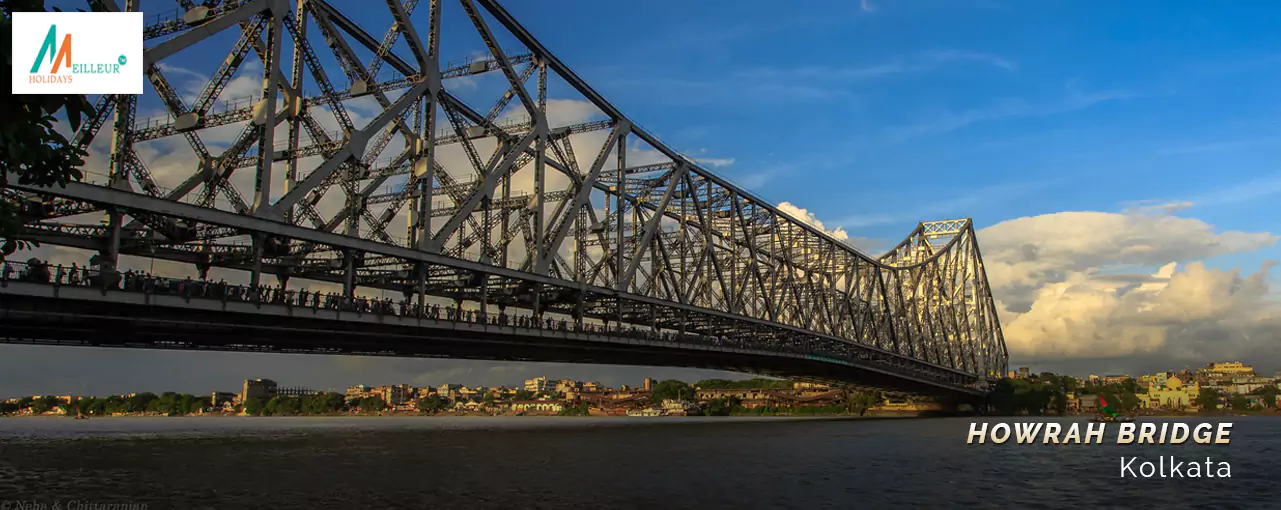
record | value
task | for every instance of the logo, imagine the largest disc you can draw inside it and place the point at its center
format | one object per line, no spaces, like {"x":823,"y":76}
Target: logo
{"x":106,"y":57}
{"x":62,"y":59}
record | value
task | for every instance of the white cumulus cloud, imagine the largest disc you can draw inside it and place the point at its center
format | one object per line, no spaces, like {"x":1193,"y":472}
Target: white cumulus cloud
{"x":1073,"y":285}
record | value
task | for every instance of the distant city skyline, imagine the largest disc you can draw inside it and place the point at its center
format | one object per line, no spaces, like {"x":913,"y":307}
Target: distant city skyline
{"x":341,"y":372}
{"x":135,"y":370}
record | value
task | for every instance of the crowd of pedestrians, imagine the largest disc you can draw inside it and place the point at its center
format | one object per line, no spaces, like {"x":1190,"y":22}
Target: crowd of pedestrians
{"x":37,"y":271}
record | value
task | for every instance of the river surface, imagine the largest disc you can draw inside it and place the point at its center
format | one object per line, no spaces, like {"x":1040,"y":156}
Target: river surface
{"x":659,"y":463}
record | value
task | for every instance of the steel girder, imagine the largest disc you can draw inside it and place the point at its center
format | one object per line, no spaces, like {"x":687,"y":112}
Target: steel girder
{"x":522,"y":220}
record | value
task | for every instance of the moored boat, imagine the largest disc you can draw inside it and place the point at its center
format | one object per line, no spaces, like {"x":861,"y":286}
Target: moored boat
{"x":1109,"y":415}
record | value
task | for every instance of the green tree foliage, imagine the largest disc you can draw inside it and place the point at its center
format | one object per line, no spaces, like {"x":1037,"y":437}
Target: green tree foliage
{"x":139,"y":402}
{"x":177,"y":404}
{"x":253,"y":406}
{"x":31,"y":146}
{"x":84,"y":405}
{"x":199,"y":405}
{"x":858,"y":402}
{"x":373,"y":405}
{"x":1239,"y":402}
{"x":433,"y":404}
{"x":829,"y":409}
{"x":523,"y":395}
{"x":671,"y":389}
{"x":1269,"y":394}
{"x":1070,"y":384}
{"x":91,"y":406}
{"x":113,"y":404}
{"x":722,"y":406}
{"x":324,"y":403}
{"x":169,"y":403}
{"x":488,"y":399}
{"x":1033,"y":396}
{"x":773,"y":410}
{"x":1058,"y":402}
{"x":1121,"y":399}
{"x":288,"y":406}
{"x":269,"y":409}
{"x":1015,"y":396}
{"x":1208,"y":399}
{"x":1048,"y":392}
{"x":44,"y":404}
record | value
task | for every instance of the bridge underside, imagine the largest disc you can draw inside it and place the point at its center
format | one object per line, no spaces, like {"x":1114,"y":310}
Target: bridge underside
{"x":73,"y":316}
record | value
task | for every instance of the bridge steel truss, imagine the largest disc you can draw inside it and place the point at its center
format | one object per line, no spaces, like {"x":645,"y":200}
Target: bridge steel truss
{"x":663,"y":243}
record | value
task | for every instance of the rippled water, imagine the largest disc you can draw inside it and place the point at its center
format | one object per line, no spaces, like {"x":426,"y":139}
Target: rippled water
{"x":513,"y":463}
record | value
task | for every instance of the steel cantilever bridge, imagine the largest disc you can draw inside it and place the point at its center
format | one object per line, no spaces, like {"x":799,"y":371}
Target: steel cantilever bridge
{"x":631,"y":254}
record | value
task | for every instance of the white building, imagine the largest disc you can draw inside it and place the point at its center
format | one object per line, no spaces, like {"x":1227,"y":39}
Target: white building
{"x":449,"y":390}
{"x":537,"y":385}
{"x":1246,"y":385}
{"x":396,"y":394}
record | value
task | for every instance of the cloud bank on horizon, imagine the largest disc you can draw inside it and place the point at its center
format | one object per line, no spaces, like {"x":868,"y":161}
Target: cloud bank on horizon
{"x":1130,"y":284}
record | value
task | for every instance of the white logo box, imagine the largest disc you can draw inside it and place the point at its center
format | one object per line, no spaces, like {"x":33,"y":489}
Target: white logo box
{"x":100,"y":41}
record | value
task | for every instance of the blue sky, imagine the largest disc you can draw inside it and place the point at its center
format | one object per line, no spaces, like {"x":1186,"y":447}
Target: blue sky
{"x":874,"y":115}
{"x":873,"y":118}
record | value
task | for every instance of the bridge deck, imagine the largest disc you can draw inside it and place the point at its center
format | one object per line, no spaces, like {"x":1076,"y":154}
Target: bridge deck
{"x":45,"y":314}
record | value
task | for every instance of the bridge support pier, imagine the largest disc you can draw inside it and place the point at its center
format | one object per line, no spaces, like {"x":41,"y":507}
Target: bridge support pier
{"x":578,"y":309}
{"x":536,"y":300}
{"x":484,"y":297}
{"x":349,"y":274}
{"x":255,"y":276}
{"x":420,"y":270}
{"x":110,"y":256}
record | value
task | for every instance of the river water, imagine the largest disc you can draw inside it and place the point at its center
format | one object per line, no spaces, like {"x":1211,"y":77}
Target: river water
{"x":512,"y":463}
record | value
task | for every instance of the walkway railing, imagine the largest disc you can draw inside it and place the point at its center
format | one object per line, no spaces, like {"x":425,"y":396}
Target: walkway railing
{"x":38,"y":272}
{"x":141,"y":282}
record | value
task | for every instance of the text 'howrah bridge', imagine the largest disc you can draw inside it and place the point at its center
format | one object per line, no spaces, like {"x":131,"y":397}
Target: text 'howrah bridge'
{"x":496,"y":238}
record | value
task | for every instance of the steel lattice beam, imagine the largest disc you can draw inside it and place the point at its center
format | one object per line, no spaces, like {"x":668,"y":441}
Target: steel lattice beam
{"x":666,"y":245}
